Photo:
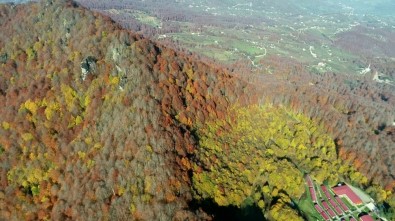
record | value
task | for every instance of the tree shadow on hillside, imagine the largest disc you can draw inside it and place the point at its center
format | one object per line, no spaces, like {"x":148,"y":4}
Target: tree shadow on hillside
{"x":229,"y":213}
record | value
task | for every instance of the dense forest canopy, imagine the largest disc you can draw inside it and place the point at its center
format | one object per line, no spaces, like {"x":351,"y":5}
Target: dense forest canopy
{"x":100,"y":122}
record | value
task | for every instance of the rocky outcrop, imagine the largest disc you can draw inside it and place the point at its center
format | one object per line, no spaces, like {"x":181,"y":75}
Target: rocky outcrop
{"x":88,"y":66}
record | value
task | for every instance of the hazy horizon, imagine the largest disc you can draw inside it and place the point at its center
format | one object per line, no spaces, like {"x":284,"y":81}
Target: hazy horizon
{"x":379,"y":7}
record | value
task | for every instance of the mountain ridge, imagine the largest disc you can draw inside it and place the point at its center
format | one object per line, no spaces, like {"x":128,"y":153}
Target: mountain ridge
{"x":42,"y":78}
{"x":100,"y":122}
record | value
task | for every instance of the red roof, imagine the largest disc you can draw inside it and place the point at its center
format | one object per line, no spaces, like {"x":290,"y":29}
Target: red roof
{"x":312,"y":193}
{"x":332,"y":203}
{"x":325,"y":190}
{"x":326,"y":217}
{"x":308,"y":179}
{"x":331,"y":213}
{"x":318,"y":208}
{"x":325,"y":204}
{"x":366,"y":218}
{"x":344,"y":207}
{"x":335,"y":206}
{"x":346,"y":190}
{"x":352,"y":219}
{"x":338,"y":210}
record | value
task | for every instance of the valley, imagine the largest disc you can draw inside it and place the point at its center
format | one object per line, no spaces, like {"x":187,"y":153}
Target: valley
{"x":229,"y":32}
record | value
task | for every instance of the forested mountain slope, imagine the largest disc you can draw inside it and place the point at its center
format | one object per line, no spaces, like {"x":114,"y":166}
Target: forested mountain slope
{"x":89,"y":117}
{"x":355,"y":105}
{"x":98,"y":123}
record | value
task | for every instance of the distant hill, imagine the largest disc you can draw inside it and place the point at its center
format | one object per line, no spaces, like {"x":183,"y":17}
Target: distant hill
{"x":14,"y":1}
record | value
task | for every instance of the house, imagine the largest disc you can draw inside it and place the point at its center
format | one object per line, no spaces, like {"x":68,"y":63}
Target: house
{"x":336,"y":207}
{"x":325,"y":190}
{"x":328,"y":209}
{"x":325,"y":204}
{"x":331,"y":213}
{"x":323,"y":214}
{"x":312,"y":193}
{"x":346,"y":192}
{"x":318,"y":208}
{"x":344,"y":207}
{"x":366,"y":218}
{"x":309,"y":182}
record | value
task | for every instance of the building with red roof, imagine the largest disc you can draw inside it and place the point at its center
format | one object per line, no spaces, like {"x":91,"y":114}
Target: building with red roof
{"x":318,"y":208}
{"x":331,"y":213}
{"x":325,"y":205}
{"x":352,"y":219}
{"x":313,"y":195}
{"x":323,"y":214}
{"x":338,"y":210}
{"x":346,"y":191}
{"x":325,"y":190}
{"x":366,"y":218}
{"x":309,"y":182}
{"x":344,"y":207}
{"x":336,"y":207}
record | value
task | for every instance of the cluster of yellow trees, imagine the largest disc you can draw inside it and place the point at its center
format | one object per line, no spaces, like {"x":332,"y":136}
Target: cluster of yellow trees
{"x":262,"y":152}
{"x":67,"y":107}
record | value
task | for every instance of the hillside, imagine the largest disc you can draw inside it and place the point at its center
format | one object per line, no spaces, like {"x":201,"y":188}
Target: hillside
{"x":89,"y":127}
{"x":98,"y":122}
{"x":332,"y":61}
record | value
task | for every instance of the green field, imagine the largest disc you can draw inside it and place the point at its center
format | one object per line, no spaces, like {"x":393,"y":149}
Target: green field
{"x":254,"y":31}
{"x":306,"y":205}
{"x":229,"y":45}
{"x":145,"y":18}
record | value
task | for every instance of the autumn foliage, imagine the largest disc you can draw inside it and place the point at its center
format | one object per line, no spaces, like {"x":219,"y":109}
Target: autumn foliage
{"x":99,"y":122}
